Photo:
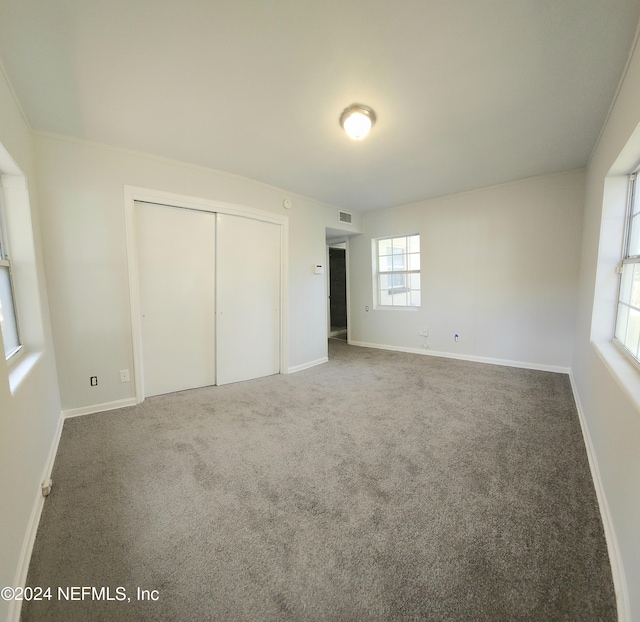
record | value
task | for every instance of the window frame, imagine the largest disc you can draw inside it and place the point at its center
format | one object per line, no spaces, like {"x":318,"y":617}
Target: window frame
{"x":5,"y":262}
{"x":405,"y":274}
{"x":627,"y":260}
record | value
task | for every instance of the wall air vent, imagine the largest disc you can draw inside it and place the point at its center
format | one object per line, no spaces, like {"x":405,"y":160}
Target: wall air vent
{"x":344,"y":217}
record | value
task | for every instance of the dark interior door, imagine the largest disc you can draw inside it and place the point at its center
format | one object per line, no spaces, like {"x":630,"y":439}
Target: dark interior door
{"x":338,"y":288}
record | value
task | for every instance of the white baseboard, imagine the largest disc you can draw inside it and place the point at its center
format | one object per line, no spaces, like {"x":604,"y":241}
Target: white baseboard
{"x":617,"y":568}
{"x":295,"y":368}
{"x":466,"y":357}
{"x":97,"y":408}
{"x":32,"y":526}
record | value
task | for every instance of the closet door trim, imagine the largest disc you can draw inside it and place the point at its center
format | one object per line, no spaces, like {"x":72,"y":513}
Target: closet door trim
{"x":133,"y":194}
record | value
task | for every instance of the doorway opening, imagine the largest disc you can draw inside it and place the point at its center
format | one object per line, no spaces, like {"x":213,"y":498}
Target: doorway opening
{"x":337,"y":288}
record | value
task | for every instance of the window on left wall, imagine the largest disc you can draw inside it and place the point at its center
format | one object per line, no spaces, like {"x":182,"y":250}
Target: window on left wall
{"x":8,"y":319}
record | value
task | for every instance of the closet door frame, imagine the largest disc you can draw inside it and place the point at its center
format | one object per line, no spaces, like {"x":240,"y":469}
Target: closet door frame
{"x":133,"y":194}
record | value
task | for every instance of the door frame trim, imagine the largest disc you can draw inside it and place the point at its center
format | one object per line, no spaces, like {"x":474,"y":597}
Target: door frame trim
{"x":337,"y":244}
{"x":170,"y":199}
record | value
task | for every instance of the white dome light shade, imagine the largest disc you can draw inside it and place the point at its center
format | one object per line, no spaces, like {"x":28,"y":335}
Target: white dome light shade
{"x":357,"y":125}
{"x":357,"y":120}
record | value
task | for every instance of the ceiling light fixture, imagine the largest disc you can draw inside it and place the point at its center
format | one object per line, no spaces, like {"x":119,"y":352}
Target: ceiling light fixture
{"x":357,"y":120}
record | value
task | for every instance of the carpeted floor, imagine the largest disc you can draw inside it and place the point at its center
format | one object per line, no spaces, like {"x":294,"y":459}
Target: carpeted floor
{"x":378,"y":486}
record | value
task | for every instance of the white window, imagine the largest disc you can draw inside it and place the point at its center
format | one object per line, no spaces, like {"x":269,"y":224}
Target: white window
{"x":398,"y":271}
{"x":627,"y":331}
{"x":8,"y":321}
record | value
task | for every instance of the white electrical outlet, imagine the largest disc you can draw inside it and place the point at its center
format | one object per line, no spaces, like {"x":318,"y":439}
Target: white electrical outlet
{"x":124,"y":375}
{"x":423,"y":332}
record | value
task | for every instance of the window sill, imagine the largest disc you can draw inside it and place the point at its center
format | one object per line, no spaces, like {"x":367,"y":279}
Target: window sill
{"x":389,"y":308}
{"x":14,"y":355}
{"x":624,"y":371}
{"x":21,"y":367}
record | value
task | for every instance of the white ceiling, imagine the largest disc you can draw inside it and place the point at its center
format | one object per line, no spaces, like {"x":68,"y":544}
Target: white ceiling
{"x":468,"y":93}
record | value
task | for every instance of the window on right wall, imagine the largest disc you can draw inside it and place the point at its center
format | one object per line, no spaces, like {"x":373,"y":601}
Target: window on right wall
{"x":627,"y":332}
{"x":397,"y":271}
{"x":8,"y":320}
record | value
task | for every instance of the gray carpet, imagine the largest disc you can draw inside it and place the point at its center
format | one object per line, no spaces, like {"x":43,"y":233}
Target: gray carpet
{"x":379,"y":486}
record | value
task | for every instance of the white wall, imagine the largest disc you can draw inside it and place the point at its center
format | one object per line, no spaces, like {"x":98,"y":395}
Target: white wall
{"x":606,"y":384}
{"x":499,"y":268}
{"x":81,"y":194}
{"x":29,"y":414}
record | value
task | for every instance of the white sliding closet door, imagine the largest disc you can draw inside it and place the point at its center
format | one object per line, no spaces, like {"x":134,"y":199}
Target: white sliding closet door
{"x":248,"y":290}
{"x":176,"y":274}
